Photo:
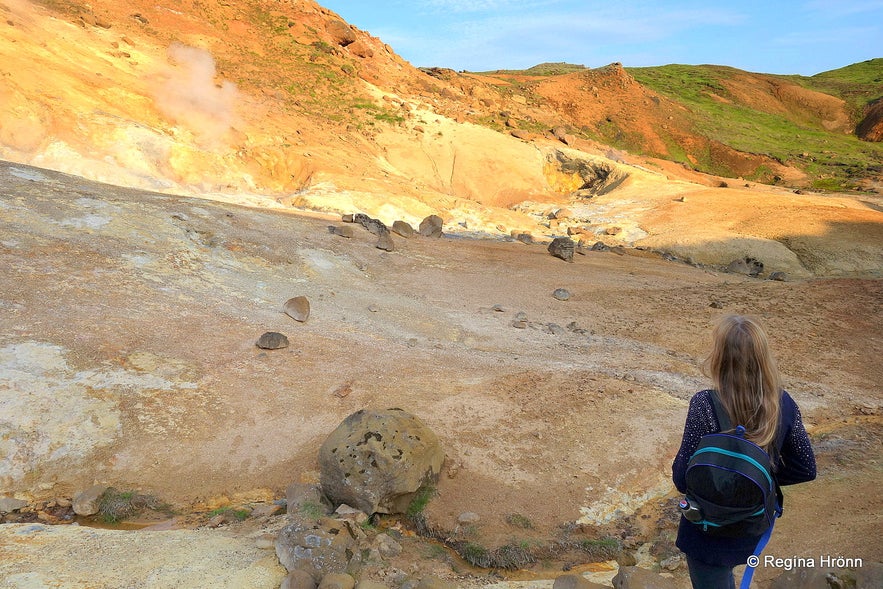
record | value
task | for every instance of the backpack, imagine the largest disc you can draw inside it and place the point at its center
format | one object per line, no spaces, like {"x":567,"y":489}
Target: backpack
{"x":730,"y":481}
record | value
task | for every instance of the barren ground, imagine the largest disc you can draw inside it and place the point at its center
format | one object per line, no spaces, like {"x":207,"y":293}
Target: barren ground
{"x":128,"y":357}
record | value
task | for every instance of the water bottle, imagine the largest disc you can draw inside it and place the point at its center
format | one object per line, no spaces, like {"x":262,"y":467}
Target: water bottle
{"x":690,"y":510}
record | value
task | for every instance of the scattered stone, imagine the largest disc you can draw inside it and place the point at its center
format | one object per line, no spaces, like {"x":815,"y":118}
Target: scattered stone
{"x":272,"y":340}
{"x":627,"y":559}
{"x":638,"y":578}
{"x":319,"y":548}
{"x":498,"y":308}
{"x":367,"y":584}
{"x":298,"y":308}
{"x":520,"y":134}
{"x":519,"y":324}
{"x":267,"y":510}
{"x":526,"y":238}
{"x":384,"y":242}
{"x":348,"y":218}
{"x":562,"y":247}
{"x":571,"y":581}
{"x":10,"y":504}
{"x":432,"y":582}
{"x":561,"y":294}
{"x":346,"y":512}
{"x":748,"y":266}
{"x":779,"y":276}
{"x":613,"y":230}
{"x":298,"y":579}
{"x":469,"y":517}
{"x":387,"y":546}
{"x":716,"y":305}
{"x":555,"y":329}
{"x":672,"y":563}
{"x":377,"y":461}
{"x":431,"y":226}
{"x":600,"y":246}
{"x":403,"y":229}
{"x":337,"y":581}
{"x":301,"y":497}
{"x":343,"y":231}
{"x":87,"y":502}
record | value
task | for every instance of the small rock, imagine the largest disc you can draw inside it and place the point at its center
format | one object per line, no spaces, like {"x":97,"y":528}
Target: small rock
{"x":298,"y":308}
{"x":779,"y":276}
{"x":555,"y":329}
{"x":337,"y":581}
{"x":432,"y":582}
{"x":348,"y":218}
{"x":10,"y":504}
{"x":613,"y":230}
{"x":272,"y":340}
{"x":344,"y":511}
{"x":343,"y":231}
{"x":638,"y":578}
{"x":404,"y":229}
{"x":600,"y":246}
{"x":562,"y":247}
{"x":367,"y":584}
{"x":672,"y":563}
{"x":716,"y":305}
{"x":298,"y":579}
{"x":526,"y":238}
{"x":87,"y":502}
{"x":519,"y":324}
{"x":431,"y":226}
{"x":387,"y":546}
{"x":561,"y":294}
{"x":468,"y":517}
{"x":384,"y":242}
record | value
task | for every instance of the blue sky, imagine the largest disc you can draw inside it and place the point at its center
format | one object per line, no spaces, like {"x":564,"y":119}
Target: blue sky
{"x":777,"y":37}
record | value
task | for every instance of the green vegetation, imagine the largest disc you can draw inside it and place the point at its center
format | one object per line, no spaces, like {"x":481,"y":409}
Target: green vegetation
{"x":237,"y":514}
{"x":836,"y":159}
{"x":542,"y":69}
{"x":311,"y":510}
{"x":116,"y":506}
{"x":420,"y":500}
{"x":519,"y":521}
{"x":601,"y":548}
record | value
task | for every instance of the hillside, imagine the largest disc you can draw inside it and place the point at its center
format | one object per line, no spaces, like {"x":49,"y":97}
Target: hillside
{"x":282,"y":104}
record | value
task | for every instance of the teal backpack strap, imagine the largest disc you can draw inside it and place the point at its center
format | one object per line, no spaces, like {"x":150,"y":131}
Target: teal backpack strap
{"x":722,"y":418}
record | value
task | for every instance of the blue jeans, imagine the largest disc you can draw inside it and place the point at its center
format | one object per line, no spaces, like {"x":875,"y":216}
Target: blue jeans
{"x":709,"y":576}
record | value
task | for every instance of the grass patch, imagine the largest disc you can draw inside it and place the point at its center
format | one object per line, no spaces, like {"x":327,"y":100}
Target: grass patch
{"x":601,"y":548}
{"x":519,"y":521}
{"x":237,"y":514}
{"x":116,"y":506}
{"x":421,"y":500}
{"x":311,"y":510}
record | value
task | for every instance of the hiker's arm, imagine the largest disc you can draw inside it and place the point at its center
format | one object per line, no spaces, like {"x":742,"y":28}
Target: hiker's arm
{"x":798,"y":462}
{"x":695,"y":427}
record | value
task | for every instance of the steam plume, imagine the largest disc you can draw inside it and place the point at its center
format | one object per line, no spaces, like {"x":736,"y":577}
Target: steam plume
{"x":191,"y":97}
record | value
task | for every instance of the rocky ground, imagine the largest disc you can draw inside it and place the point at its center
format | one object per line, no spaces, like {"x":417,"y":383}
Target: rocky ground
{"x":128,"y":358}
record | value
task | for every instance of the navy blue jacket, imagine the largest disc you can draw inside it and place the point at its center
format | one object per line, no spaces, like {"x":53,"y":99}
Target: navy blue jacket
{"x":794,"y":464}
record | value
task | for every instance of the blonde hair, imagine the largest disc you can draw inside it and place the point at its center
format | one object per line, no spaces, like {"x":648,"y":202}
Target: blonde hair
{"x":744,"y":373}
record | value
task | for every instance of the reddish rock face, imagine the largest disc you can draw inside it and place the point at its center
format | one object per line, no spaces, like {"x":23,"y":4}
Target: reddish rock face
{"x":871,"y":127}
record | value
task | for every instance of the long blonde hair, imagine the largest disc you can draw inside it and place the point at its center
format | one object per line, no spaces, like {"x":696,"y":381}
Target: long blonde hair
{"x":744,"y":373}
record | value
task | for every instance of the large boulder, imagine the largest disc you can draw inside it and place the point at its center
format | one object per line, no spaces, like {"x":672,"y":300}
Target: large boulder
{"x":376,"y":461}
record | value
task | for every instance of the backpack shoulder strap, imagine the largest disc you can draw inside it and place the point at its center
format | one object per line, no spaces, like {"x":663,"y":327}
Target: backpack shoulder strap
{"x":722,"y":418}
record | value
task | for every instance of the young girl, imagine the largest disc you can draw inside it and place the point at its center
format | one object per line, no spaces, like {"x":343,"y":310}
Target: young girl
{"x":746,"y":381}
